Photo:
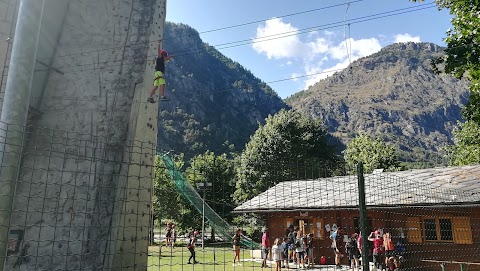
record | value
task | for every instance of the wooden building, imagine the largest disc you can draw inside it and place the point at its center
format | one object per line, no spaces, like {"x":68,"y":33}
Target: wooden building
{"x":432,"y":214}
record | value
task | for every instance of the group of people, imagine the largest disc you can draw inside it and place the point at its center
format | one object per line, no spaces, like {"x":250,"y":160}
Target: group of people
{"x":383,"y":252}
{"x":170,"y":235}
{"x":171,"y":238}
{"x":295,"y":247}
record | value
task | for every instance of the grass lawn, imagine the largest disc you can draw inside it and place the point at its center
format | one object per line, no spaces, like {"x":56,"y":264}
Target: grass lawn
{"x":210,"y":258}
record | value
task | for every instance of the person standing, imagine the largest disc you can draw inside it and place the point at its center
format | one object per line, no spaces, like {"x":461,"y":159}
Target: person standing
{"x":236,"y":247}
{"x":309,"y":254}
{"x":277,"y":254}
{"x":300,"y":245}
{"x":389,"y":247}
{"x":265,"y":246}
{"x":173,"y":236}
{"x":336,"y":246}
{"x":284,"y":247}
{"x":378,"y":252}
{"x":168,"y":234}
{"x":191,"y":247}
{"x":291,"y":243}
{"x":351,"y":249}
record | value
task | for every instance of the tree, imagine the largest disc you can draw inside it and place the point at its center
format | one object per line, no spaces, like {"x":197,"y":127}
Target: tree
{"x":462,"y":59}
{"x":373,"y":153}
{"x":168,"y":204}
{"x":466,"y":150}
{"x":220,"y":171}
{"x":280,"y":150}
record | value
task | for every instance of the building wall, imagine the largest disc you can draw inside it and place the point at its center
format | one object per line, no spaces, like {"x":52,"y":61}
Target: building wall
{"x":392,"y":220}
{"x":84,"y":189}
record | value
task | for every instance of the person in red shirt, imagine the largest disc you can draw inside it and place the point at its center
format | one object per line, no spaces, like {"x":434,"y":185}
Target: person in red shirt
{"x":378,"y":251}
{"x":265,"y":246}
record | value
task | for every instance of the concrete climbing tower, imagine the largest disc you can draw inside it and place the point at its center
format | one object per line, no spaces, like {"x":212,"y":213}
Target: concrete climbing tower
{"x":77,"y":138}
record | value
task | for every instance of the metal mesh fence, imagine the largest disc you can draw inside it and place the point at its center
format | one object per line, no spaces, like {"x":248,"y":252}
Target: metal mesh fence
{"x":79,"y":202}
{"x":421,"y":219}
{"x":82,"y":202}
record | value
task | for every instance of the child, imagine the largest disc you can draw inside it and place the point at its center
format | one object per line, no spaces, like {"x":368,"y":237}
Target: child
{"x":173,"y":235}
{"x":236,"y":246}
{"x":352,"y":251}
{"x":300,"y":250}
{"x":168,"y":234}
{"x":284,"y":247}
{"x":309,"y":254}
{"x":191,"y":247}
{"x":277,"y":255}
{"x":159,"y":80}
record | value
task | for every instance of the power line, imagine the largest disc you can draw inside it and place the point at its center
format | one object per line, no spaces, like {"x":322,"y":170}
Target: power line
{"x":266,"y":38}
{"x":217,"y":91}
{"x":317,"y":28}
{"x":283,"y":16}
{"x":216,"y":29}
{"x":230,"y":89}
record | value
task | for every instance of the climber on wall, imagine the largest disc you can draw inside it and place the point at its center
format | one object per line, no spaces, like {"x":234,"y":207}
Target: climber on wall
{"x":159,"y":80}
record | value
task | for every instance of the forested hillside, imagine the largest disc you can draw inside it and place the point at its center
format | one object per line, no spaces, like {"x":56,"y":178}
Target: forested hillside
{"x":215,"y":103}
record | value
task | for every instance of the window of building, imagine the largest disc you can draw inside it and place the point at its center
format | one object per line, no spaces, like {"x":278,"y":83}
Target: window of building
{"x":443,"y":229}
{"x":438,"y":229}
{"x":430,"y":228}
{"x":446,"y":232}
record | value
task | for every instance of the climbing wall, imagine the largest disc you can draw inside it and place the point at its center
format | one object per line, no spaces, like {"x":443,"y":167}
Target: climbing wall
{"x":135,"y":199}
{"x":8,"y":12}
{"x":83,"y":193}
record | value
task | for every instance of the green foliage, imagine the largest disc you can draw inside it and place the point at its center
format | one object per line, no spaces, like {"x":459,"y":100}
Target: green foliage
{"x":274,"y":152}
{"x":463,"y":41}
{"x":373,"y":153}
{"x":218,"y":170}
{"x":168,"y":204}
{"x":215,"y":98}
{"x":462,"y":58}
{"x":466,"y":150}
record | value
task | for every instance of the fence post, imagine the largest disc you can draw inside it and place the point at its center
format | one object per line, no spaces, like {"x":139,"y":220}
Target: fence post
{"x":363,"y":216}
{"x":15,"y":109}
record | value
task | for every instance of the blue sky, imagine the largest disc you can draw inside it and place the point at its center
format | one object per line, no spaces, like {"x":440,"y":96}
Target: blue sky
{"x":301,"y":52}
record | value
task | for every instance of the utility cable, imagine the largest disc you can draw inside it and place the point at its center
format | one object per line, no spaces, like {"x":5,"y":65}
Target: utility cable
{"x":261,"y":84}
{"x":312,"y":29}
{"x":213,"y":92}
{"x":212,"y":30}
{"x":271,"y":37}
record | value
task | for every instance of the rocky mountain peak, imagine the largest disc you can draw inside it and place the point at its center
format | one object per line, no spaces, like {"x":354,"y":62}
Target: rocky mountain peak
{"x":392,"y":94}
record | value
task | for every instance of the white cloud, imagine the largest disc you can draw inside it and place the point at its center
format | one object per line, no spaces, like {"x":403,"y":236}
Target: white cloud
{"x":323,"y":73}
{"x":406,"y":38}
{"x":295,"y":76}
{"x":359,"y":48}
{"x":277,"y":40}
{"x":355,"y":48}
{"x":267,"y":41}
{"x":322,"y":53}
{"x":329,"y":33}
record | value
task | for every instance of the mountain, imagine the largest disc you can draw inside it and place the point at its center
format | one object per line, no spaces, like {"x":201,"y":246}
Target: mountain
{"x":392,"y":94}
{"x":215,"y":103}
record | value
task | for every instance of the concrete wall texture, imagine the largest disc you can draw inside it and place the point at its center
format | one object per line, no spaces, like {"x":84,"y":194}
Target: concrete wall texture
{"x":83,"y":194}
{"x":8,"y":12}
